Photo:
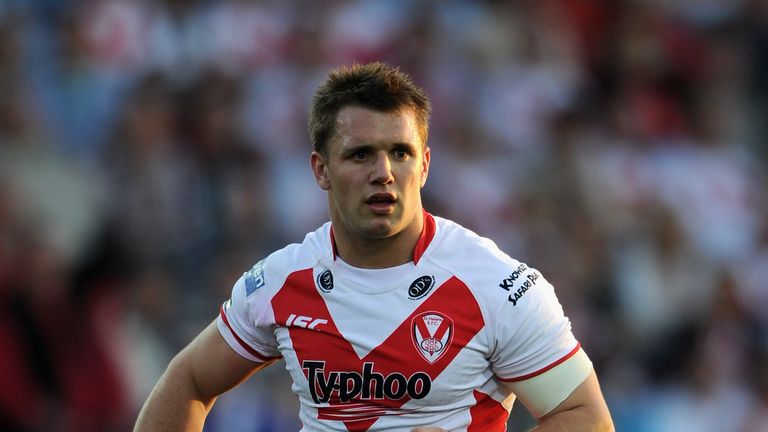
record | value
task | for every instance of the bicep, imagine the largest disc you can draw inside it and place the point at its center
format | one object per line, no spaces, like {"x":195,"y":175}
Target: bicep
{"x":587,"y":395}
{"x":583,"y":410}
{"x":546,"y":391}
{"x":212,"y":365}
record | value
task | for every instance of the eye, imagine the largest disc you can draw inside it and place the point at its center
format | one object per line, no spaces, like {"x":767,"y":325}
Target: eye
{"x":360,"y":155}
{"x":400,"y":154}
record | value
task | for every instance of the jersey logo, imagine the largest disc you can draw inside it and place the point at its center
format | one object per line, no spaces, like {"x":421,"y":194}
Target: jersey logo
{"x":347,"y":386}
{"x":254,"y":278}
{"x":432,"y":334}
{"x":304,"y":321}
{"x":523,"y":284}
{"x":421,"y":287}
{"x":325,"y":281}
{"x":509,"y":282}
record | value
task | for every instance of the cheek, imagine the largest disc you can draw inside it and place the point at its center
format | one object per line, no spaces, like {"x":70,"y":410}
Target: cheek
{"x":412,"y":183}
{"x":340,"y":187}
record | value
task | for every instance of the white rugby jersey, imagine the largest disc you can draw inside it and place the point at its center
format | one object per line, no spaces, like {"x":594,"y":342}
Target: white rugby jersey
{"x":428,"y":343}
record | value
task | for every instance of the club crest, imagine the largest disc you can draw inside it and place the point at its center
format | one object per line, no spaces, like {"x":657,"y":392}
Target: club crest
{"x":432,"y":333}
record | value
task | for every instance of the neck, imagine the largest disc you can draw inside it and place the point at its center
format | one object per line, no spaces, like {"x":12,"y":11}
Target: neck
{"x":364,"y":252}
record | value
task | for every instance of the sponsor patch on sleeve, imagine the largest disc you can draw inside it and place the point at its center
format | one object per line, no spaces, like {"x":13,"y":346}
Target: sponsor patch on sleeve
{"x":254,"y":278}
{"x":519,"y":282}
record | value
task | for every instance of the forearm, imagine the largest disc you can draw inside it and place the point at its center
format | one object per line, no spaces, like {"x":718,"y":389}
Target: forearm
{"x":185,"y":393}
{"x":174,"y":405}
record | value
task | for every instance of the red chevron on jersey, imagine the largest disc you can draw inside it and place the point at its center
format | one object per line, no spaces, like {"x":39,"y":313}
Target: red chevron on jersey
{"x":355,"y":390}
{"x":488,"y":415}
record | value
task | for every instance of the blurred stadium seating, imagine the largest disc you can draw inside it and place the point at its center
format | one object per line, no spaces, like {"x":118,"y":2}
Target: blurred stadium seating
{"x":151,"y":151}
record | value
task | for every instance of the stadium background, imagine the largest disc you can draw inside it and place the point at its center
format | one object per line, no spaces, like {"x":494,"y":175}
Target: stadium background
{"x":151,"y":151}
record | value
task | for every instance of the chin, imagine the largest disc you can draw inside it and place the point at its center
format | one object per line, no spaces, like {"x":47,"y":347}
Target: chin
{"x":380,"y":229}
{"x":381,"y":233}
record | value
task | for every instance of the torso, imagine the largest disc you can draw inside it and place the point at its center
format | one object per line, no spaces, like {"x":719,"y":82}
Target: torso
{"x":383,"y":349}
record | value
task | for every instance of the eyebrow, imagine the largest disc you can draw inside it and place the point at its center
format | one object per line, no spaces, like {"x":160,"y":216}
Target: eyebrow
{"x":356,"y":148}
{"x":371,"y":147}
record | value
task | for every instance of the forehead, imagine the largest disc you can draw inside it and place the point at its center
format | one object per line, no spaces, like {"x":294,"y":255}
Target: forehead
{"x":356,"y":125}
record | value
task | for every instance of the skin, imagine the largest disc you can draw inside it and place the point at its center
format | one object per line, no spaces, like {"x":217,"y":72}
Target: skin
{"x":373,"y":155}
{"x":185,"y":394}
{"x":584,"y":410}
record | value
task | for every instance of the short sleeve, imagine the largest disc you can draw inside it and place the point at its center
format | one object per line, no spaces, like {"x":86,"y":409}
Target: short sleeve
{"x":533,"y":337}
{"x":244,"y":319}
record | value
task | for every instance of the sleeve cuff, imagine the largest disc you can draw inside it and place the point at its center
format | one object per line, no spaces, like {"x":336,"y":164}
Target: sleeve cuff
{"x":237,"y":343}
{"x":545,"y":389}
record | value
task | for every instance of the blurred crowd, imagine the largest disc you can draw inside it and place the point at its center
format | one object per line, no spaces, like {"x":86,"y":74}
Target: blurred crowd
{"x":152,"y":151}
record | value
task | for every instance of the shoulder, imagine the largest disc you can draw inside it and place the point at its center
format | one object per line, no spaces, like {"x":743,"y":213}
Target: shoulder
{"x":490,"y":273}
{"x":270,"y":273}
{"x":468,"y":255}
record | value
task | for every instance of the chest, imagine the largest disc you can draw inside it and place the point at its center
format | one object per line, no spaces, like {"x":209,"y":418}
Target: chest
{"x":416,"y":342}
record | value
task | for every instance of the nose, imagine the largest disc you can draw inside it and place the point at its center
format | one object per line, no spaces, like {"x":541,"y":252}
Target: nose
{"x":381,"y":171}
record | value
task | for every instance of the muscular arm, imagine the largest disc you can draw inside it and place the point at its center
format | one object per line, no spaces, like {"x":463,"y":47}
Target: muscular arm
{"x":584,"y":410}
{"x":185,"y":393}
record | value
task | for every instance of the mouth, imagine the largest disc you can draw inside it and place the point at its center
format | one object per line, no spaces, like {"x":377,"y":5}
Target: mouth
{"x":381,"y":203}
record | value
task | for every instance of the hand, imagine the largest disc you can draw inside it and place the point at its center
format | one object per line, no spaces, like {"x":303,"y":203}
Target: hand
{"x":428,"y":429}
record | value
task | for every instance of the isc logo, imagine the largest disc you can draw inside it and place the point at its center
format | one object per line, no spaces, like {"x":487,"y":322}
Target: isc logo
{"x":304,"y":321}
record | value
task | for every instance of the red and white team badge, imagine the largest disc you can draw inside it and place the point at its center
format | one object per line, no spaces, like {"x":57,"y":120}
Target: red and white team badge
{"x":432,"y":333}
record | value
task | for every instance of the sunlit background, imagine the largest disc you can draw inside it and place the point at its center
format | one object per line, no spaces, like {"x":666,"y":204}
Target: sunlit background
{"x":152,"y":151}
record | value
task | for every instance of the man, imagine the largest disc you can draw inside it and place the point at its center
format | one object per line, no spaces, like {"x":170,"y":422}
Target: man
{"x":388,"y":318}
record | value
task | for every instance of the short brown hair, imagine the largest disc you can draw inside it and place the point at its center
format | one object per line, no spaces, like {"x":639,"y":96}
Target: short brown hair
{"x":376,"y":86}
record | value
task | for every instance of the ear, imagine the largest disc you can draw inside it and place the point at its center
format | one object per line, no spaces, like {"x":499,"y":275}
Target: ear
{"x":320,"y":170}
{"x":425,"y":166}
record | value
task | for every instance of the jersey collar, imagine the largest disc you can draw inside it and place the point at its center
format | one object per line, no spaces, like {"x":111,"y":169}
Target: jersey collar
{"x":427,"y":234}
